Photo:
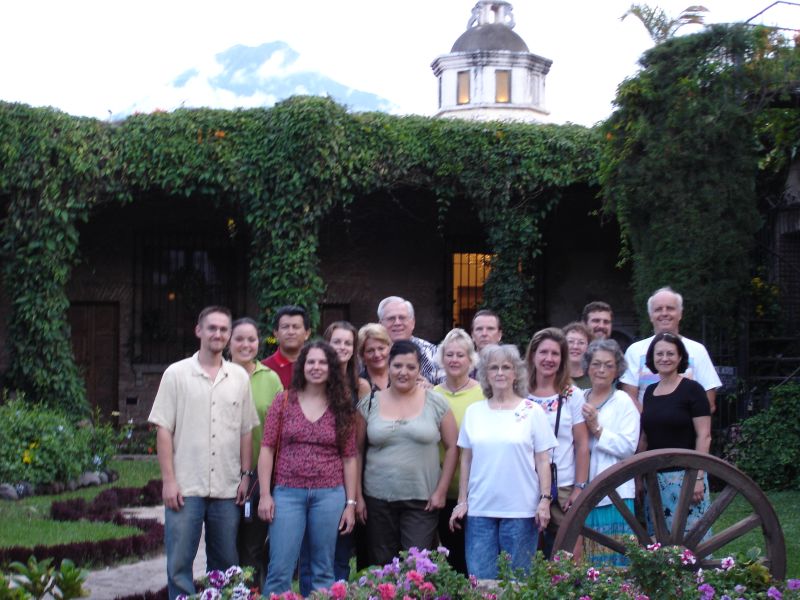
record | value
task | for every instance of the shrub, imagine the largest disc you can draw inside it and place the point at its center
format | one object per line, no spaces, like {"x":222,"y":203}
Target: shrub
{"x":768,"y":445}
{"x":39,"y":445}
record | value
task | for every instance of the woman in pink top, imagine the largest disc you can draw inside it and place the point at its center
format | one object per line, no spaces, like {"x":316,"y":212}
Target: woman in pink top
{"x":311,"y":430}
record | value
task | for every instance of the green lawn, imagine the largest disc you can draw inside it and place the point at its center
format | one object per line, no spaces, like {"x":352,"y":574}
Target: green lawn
{"x":785,"y":504}
{"x":27,"y":522}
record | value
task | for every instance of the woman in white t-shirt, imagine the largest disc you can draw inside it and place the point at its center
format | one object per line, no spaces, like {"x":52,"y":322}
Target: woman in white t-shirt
{"x":550,"y":386}
{"x":505,"y":444}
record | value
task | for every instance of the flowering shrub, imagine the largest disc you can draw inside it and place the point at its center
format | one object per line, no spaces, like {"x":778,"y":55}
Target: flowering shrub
{"x":656,"y":573}
{"x":231,"y":584}
{"x":39,"y":445}
{"x":416,"y":574}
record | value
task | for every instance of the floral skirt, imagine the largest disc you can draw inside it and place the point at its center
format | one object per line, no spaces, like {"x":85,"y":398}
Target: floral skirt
{"x":670,"y":485}
{"x":608,"y":521}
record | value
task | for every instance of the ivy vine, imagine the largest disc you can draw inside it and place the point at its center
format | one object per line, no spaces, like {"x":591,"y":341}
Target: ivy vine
{"x":284,"y":168}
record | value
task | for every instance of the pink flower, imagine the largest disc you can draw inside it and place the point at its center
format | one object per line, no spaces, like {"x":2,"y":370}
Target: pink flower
{"x":727,"y":563}
{"x":427,"y":586}
{"x":557,"y":579}
{"x":592,"y":574}
{"x":386,"y":590}
{"x":687,"y":557}
{"x":585,"y":598}
{"x":654,"y":547}
{"x":415,"y":577}
{"x":339,"y":590}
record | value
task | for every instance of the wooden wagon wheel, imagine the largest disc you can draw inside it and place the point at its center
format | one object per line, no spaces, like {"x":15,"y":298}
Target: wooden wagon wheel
{"x":647,"y":464}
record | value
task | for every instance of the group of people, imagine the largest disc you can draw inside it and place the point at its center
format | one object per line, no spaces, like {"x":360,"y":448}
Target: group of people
{"x":373,"y":440}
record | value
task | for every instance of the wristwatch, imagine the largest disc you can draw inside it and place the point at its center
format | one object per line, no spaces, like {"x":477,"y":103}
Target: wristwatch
{"x":545,"y":497}
{"x":350,"y":503}
{"x":248,"y":473}
{"x":581,"y":486}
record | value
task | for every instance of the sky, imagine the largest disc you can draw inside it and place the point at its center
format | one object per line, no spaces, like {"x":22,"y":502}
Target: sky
{"x":111,"y":57}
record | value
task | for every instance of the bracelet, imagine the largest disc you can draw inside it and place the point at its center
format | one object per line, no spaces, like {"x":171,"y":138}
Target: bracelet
{"x":248,"y":473}
{"x":700,"y":477}
{"x":350,"y":503}
{"x":545,"y":497}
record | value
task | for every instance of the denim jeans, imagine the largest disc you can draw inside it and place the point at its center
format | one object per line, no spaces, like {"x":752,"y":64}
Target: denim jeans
{"x":182,"y":529}
{"x":297,"y":511}
{"x":487,"y":537}
{"x":341,"y":562}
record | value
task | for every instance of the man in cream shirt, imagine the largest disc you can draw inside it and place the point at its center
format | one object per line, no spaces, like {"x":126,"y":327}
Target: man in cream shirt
{"x":205,"y":413}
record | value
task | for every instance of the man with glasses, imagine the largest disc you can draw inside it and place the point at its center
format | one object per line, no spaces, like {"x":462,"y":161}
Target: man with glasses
{"x":396,"y":314}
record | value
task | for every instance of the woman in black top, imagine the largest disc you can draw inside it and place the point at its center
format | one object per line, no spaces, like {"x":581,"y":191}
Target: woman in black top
{"x":675,"y":414}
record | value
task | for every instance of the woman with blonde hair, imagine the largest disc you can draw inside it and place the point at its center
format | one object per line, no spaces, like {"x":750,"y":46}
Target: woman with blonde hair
{"x":550,"y":386}
{"x":373,"y":350}
{"x":457,"y":357}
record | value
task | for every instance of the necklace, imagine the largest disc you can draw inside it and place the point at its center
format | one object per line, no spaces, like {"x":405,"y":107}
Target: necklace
{"x":458,"y":389}
{"x":603,"y":403}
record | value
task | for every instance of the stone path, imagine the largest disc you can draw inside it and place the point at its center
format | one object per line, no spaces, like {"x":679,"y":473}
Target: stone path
{"x":139,"y":577}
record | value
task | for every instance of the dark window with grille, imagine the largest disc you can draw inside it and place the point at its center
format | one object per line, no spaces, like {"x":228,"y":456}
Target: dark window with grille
{"x":176,"y":275}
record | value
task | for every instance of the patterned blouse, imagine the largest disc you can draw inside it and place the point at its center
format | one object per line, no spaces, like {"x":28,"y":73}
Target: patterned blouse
{"x":309,"y":456}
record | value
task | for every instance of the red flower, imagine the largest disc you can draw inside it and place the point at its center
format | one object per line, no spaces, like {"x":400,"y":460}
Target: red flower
{"x":339,"y":590}
{"x":386,"y":590}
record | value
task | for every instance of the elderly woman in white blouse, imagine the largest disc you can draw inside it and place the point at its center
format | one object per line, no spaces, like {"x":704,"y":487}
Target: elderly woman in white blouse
{"x":613,"y":424}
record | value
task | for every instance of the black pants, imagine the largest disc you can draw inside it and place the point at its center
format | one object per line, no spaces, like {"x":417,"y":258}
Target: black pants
{"x":398,"y":525}
{"x":252,"y":542}
{"x":452,"y":540}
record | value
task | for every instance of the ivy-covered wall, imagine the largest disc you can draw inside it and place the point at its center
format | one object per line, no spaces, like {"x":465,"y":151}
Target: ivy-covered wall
{"x":284,"y":168}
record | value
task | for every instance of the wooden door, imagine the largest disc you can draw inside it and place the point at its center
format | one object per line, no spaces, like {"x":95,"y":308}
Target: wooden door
{"x":95,"y":344}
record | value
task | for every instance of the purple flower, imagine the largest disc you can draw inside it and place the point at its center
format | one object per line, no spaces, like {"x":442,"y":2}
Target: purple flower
{"x":592,"y":574}
{"x":473,"y":581}
{"x":216,"y":578}
{"x":707,"y":590}
{"x":774,"y":593}
{"x":362,"y":581}
{"x":725,"y":597}
{"x":793,"y":584}
{"x":232,"y":572}
{"x":443,"y":550}
{"x":727,"y":563}
{"x":210,"y":594}
{"x":740,"y":589}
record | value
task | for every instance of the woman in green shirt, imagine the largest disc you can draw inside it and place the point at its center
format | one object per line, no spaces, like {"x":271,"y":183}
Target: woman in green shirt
{"x":265,"y":384}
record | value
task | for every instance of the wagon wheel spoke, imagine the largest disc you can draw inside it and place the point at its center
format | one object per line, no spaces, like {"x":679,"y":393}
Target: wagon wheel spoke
{"x":603,"y":540}
{"x":717,"y":541}
{"x":656,"y":506}
{"x":682,"y":508}
{"x":704,"y":523}
{"x":637,"y":528}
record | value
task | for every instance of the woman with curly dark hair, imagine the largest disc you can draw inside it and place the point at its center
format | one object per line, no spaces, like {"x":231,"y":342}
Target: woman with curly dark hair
{"x":309,"y":439}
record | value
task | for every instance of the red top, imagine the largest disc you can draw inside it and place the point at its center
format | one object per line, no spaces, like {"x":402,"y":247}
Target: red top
{"x":309,"y":456}
{"x":282,"y":366}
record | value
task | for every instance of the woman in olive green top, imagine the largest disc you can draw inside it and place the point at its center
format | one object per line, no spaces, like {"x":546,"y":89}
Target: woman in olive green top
{"x":457,"y":356}
{"x":404,"y":485}
{"x":265,"y":384}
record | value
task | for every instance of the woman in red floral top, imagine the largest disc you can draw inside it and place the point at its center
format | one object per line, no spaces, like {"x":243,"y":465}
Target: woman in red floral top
{"x":312,"y":426}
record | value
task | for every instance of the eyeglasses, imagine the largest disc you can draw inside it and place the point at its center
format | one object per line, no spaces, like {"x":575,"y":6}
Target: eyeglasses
{"x":496,"y":368}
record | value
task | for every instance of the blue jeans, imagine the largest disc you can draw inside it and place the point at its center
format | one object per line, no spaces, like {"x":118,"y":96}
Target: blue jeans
{"x":182,"y":529}
{"x":341,"y":562}
{"x":297,"y":511}
{"x":486,"y":537}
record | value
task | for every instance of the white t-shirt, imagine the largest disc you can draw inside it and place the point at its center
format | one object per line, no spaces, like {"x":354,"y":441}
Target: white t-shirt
{"x":564,"y":454}
{"x":700,"y":368}
{"x":503,"y":482}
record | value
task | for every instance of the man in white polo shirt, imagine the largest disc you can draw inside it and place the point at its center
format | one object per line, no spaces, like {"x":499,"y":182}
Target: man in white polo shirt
{"x":665,"y":308}
{"x":205,"y":413}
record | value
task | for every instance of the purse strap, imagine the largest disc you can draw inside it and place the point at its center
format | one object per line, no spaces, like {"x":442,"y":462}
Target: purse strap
{"x":281,"y":413}
{"x":558,"y":412}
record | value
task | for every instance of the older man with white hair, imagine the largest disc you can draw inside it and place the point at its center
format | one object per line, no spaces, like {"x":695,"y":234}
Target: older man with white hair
{"x":396,"y":314}
{"x":665,"y":308}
